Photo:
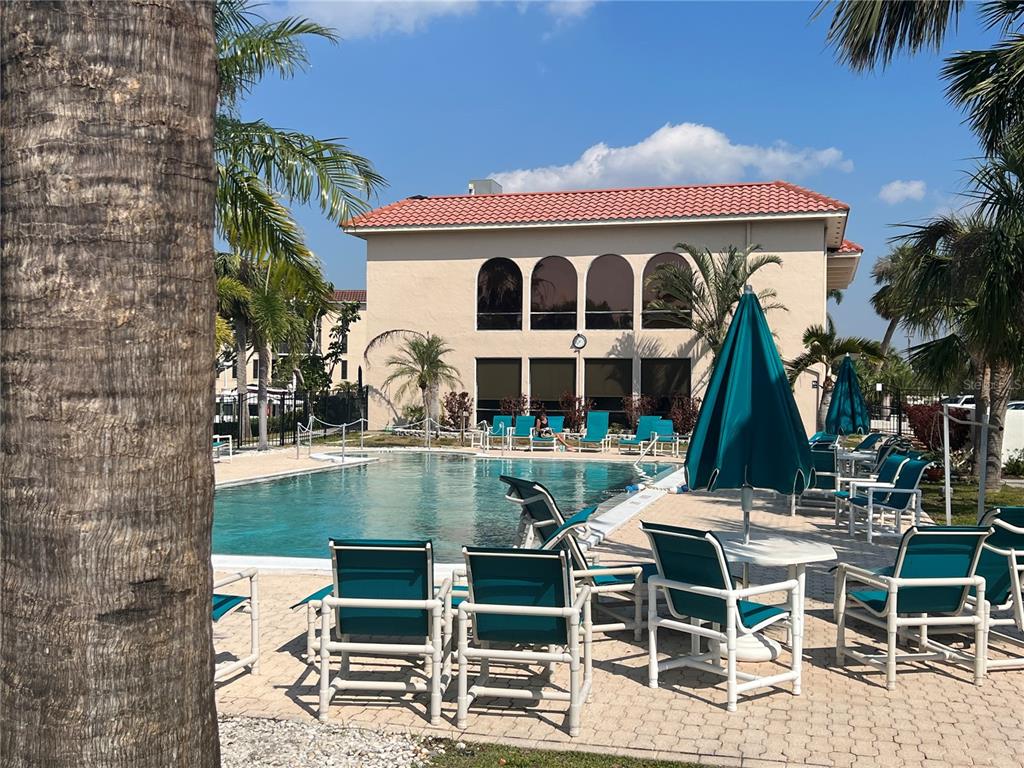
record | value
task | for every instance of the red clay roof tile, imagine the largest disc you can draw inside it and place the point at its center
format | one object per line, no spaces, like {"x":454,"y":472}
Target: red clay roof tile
{"x":643,"y":204}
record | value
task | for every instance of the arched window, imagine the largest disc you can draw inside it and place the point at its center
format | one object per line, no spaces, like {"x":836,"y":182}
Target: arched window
{"x":553,"y":295}
{"x":610,"y":293}
{"x":499,"y":296}
{"x":667,"y":279}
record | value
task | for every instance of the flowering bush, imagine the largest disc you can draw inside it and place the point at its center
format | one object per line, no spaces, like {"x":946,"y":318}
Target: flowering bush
{"x":575,"y":410}
{"x":518,"y":405}
{"x":636,"y":406}
{"x":458,"y":409}
{"x":683,"y":413}
{"x":926,"y":423}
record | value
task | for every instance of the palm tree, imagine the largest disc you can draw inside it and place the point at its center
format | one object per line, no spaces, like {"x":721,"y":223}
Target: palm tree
{"x":823,"y":347}
{"x":418,"y":363}
{"x":887,"y":302}
{"x":106,"y":483}
{"x":985,"y":83}
{"x":705,"y":301}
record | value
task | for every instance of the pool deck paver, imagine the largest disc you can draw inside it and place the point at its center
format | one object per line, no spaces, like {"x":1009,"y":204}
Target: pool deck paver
{"x":845,"y":717}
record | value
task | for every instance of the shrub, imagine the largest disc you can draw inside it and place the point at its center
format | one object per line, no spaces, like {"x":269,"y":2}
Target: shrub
{"x":1015,"y":464}
{"x":926,"y":423}
{"x":683,"y":412}
{"x":636,"y":406}
{"x":518,"y":405}
{"x":412,"y":413}
{"x":575,"y":410}
{"x":458,"y":409}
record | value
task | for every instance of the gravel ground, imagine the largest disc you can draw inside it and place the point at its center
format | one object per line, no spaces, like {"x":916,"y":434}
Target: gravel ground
{"x":254,"y":742}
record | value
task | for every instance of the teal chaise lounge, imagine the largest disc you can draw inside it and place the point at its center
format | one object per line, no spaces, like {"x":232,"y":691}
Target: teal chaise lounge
{"x":549,"y":442}
{"x":596,"y":437}
{"x":645,"y":432}
{"x":1001,"y":564}
{"x":879,"y":503}
{"x":693,"y":573}
{"x":928,"y":586}
{"x":521,"y":435}
{"x":224,"y":604}
{"x":384,"y":603}
{"x":524,"y":608}
{"x":498,"y":433}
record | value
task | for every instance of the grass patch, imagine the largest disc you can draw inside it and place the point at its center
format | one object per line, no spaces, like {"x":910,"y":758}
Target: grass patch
{"x":497,"y":756}
{"x":965,"y":501}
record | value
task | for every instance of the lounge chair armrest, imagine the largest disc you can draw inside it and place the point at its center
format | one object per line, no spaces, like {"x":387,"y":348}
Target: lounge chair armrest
{"x":445,"y":588}
{"x":862,"y":575}
{"x":618,"y":570}
{"x":516,"y":610}
{"x":248,"y":573}
{"x":582,"y":596}
{"x":360,"y":602}
{"x":963,"y":581}
{"x":658,"y":581}
{"x":762,"y":589}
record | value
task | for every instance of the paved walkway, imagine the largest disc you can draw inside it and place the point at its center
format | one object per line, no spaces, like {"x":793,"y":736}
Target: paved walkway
{"x":845,"y":716}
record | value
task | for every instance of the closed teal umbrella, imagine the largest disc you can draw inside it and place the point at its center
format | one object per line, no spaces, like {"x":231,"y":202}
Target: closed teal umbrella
{"x":847,"y":413}
{"x":749,"y":433}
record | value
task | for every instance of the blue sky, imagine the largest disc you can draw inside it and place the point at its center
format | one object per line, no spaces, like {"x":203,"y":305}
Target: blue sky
{"x":659,"y":93}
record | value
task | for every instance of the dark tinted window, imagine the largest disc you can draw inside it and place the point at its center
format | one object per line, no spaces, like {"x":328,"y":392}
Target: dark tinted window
{"x":610,"y":293}
{"x":606,"y":382}
{"x":550,"y":378}
{"x":673,"y":307}
{"x":553,"y":294}
{"x":499,"y":296}
{"x":496,"y":379}
{"x":663,"y":378}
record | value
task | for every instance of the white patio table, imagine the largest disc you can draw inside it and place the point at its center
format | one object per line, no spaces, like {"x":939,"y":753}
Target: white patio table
{"x":778,"y":552}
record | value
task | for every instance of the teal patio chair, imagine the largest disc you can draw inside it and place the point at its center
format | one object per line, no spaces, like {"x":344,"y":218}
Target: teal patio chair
{"x":1001,"y":564}
{"x":224,"y":604}
{"x":549,"y":442}
{"x":823,"y":438}
{"x":500,"y":428}
{"x":596,"y":438}
{"x":868,"y":443}
{"x":524,"y":608}
{"x":665,"y":434}
{"x":384,"y":597}
{"x":539,"y":512}
{"x":693,"y":573}
{"x":928,"y":586}
{"x":855,"y":487}
{"x":880,"y":503}
{"x":521,"y":435}
{"x":644,"y":434}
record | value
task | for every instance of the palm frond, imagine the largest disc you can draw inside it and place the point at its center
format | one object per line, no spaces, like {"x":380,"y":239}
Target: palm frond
{"x":301,"y":167}
{"x":941,"y":362}
{"x":869,"y":33}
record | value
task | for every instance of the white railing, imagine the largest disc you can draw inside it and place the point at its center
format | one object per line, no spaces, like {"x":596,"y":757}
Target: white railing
{"x":305,"y":431}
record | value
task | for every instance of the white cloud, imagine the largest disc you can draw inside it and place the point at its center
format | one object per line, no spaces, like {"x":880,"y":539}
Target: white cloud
{"x":569,"y":10}
{"x":676,"y":154}
{"x":899,"y":191}
{"x":374,"y":18}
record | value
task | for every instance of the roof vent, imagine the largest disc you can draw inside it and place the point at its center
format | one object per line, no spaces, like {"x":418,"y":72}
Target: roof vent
{"x":416,"y":197}
{"x":484,"y":187}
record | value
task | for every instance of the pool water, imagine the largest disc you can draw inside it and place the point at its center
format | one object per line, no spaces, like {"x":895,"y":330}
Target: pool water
{"x":452,"y":500}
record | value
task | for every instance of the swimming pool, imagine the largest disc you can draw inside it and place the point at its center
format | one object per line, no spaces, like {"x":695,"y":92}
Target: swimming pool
{"x":453,"y":500}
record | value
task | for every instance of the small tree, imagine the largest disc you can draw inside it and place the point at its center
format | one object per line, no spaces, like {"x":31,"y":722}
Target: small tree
{"x":348,"y":313}
{"x":458,"y":410}
{"x":926,"y":423}
{"x":683,"y":413}
{"x":519,"y":405}
{"x":575,"y":410}
{"x":636,"y":406}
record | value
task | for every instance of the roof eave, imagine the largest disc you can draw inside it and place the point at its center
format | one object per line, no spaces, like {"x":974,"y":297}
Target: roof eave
{"x":804,"y":215}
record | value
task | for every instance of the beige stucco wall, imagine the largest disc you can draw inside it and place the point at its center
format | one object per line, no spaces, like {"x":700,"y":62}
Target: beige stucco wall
{"x":428,"y":280}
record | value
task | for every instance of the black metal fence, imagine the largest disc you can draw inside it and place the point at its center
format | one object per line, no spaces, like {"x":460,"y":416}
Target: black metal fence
{"x":888,"y":408}
{"x":285,"y":411}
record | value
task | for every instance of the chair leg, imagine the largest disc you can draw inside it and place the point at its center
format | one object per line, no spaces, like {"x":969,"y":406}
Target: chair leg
{"x":638,"y":608}
{"x":463,"y":698}
{"x":652,"y":637}
{"x":310,"y":631}
{"x":435,"y":666}
{"x":588,"y":648}
{"x":840,"y":617}
{"x":981,"y":636}
{"x":890,"y":658}
{"x":730,"y":663}
{"x":575,"y":684}
{"x":325,"y":668}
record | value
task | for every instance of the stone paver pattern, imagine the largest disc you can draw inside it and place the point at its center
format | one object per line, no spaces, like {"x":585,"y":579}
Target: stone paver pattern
{"x":844,"y":717}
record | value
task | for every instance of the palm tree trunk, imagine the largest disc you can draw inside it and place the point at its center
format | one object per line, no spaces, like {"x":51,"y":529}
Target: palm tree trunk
{"x":826,"y":400}
{"x":242,"y":378}
{"x":999,"y":395}
{"x":106,"y":483}
{"x":887,"y":340}
{"x":983,"y":384}
{"x":262,"y":395}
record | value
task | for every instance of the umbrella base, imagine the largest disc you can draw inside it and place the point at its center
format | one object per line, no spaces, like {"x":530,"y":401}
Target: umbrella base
{"x":754,"y":648}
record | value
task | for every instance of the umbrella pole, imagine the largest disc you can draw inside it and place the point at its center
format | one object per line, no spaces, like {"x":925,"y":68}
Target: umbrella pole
{"x":747,"y":501}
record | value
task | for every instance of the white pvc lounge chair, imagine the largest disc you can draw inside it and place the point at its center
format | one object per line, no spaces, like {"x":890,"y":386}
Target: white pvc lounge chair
{"x":694,"y":575}
{"x":881,"y":504}
{"x":549,"y":442}
{"x":928,"y":586}
{"x":521,"y":435}
{"x":523,"y":609}
{"x":596,"y":438}
{"x":385,"y":604}
{"x":224,"y":604}
{"x":1001,"y":564}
